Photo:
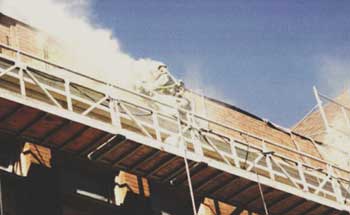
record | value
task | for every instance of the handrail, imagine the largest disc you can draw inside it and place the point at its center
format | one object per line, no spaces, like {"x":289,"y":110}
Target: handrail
{"x":268,"y":141}
{"x":333,"y":101}
{"x":303,"y":154}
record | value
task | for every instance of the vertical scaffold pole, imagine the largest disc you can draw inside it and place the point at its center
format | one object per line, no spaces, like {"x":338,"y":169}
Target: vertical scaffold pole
{"x":188,"y":173}
{"x":319,"y":104}
{"x":190,"y":185}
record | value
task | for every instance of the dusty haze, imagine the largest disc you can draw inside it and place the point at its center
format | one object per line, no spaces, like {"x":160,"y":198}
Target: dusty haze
{"x":95,"y":52}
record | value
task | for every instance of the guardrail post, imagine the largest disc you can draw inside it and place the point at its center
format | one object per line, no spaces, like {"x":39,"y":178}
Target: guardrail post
{"x":234,"y":153}
{"x":197,"y":144}
{"x":156,"y":125}
{"x":268,"y":160}
{"x":337,"y":191}
{"x":114,"y":112}
{"x":68,"y":95}
{"x":183,"y":145}
{"x":302,"y":176}
{"x":18,"y":57}
{"x":336,"y":185}
{"x":21,"y":82}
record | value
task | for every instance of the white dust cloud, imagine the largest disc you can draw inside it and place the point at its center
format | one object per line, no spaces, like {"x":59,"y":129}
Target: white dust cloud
{"x":333,"y":74}
{"x":92,"y":49}
{"x":336,"y":142}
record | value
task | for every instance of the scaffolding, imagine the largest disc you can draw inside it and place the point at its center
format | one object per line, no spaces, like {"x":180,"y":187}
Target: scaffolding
{"x":51,"y":88}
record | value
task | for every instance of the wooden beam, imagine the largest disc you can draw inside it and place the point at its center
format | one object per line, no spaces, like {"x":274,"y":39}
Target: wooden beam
{"x":92,"y":145}
{"x":10,"y":113}
{"x":220,"y":185}
{"x":73,"y":138}
{"x":179,"y":172}
{"x":132,"y":153}
{"x":315,"y":207}
{"x":146,"y":159}
{"x":241,"y":190}
{"x":232,"y":181}
{"x":54,"y":131}
{"x":245,"y":205}
{"x":125,"y":154}
{"x":217,"y":207}
{"x":204,"y":209}
{"x":258,"y":196}
{"x":207,"y":182}
{"x":32,"y":154}
{"x":210,"y":206}
{"x":330,"y":211}
{"x":194,"y":170}
{"x":161,"y":166}
{"x":278,"y":200}
{"x":120,"y":189}
{"x":237,"y":211}
{"x":40,"y":116}
{"x":295,"y":205}
{"x":138,"y":185}
{"x":111,"y":144}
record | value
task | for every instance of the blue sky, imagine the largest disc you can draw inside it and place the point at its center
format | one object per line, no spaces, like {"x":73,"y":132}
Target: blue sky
{"x":262,"y":56}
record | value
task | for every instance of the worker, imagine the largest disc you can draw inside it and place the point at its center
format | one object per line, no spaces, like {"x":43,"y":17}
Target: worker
{"x":161,"y":82}
{"x":163,"y":87}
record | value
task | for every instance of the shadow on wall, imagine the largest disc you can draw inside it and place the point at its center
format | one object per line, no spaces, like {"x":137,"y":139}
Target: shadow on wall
{"x":10,"y":148}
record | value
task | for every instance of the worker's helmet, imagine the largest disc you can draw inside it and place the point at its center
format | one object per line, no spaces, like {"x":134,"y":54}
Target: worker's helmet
{"x":162,"y":66}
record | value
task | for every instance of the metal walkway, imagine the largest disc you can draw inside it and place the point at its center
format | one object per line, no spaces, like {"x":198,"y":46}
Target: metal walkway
{"x":53,"y":106}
